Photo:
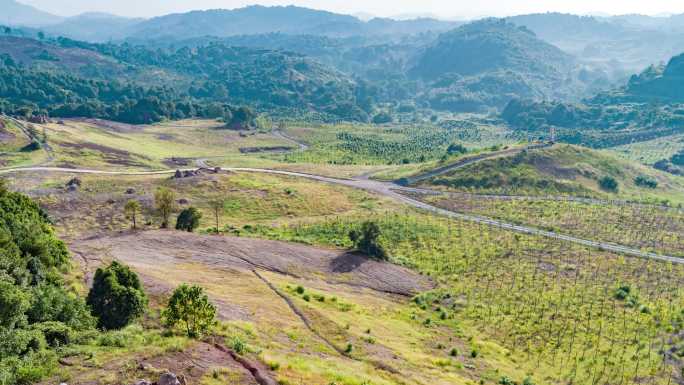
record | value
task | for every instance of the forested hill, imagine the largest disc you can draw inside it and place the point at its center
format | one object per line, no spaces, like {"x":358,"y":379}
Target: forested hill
{"x":65,"y":77}
{"x":657,"y":84}
{"x":491,"y":45}
{"x":649,"y":106}
{"x":485,"y":64}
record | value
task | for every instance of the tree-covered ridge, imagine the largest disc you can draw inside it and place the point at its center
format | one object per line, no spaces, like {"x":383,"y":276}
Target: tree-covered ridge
{"x":119,"y":83}
{"x":261,"y":77}
{"x":26,"y":92}
{"x":485,"y":64}
{"x":649,"y":106}
{"x":36,"y":311}
{"x":490,"y":45}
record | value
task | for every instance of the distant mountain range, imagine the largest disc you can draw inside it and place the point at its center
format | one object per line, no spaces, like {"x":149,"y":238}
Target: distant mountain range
{"x":300,"y":58}
{"x":617,"y":45}
{"x":218,"y":23}
{"x":17,"y":14}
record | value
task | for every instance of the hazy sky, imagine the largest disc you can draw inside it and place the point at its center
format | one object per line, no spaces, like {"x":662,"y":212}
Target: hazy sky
{"x":441,"y":8}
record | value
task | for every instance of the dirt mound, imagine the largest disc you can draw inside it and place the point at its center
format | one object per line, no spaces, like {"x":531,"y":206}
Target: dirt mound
{"x":335,"y":266}
{"x":194,"y":363}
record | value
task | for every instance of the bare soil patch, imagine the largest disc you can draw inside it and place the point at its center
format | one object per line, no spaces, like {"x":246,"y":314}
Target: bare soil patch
{"x":177,"y":162}
{"x":110,"y":125}
{"x":246,"y":254}
{"x":109,"y":154}
{"x":197,"y":361}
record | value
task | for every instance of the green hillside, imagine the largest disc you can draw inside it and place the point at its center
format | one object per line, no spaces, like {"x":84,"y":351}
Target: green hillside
{"x":70,"y":78}
{"x":487,"y":63}
{"x":563,"y":170}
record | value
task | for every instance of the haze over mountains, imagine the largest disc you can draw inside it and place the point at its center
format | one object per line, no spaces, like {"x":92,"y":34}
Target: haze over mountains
{"x":285,"y":59}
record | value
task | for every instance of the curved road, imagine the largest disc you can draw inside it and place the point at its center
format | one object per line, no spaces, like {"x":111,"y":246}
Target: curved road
{"x":390,"y":190}
{"x":470,"y":160}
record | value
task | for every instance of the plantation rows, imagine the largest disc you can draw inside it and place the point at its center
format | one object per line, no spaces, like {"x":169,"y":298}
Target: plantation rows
{"x":356,"y":144}
{"x":650,"y":228}
{"x":566,"y":313}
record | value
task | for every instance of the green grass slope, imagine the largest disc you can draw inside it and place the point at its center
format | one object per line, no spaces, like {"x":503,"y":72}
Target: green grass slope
{"x":562,"y":170}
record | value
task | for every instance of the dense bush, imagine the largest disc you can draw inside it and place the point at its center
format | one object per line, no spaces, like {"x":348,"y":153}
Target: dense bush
{"x":188,"y":219}
{"x":367,"y":240}
{"x":456,"y":148}
{"x":117,"y":297}
{"x":608,"y":183}
{"x":35,"y":309}
{"x":189,"y":308}
{"x":645,"y":181}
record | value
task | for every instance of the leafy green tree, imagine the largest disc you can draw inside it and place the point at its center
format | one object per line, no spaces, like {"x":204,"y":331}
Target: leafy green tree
{"x":117,"y":297}
{"x":189,"y":308}
{"x":188,"y":219}
{"x":54,"y":303}
{"x":244,"y":117}
{"x":608,"y":183}
{"x":14,"y":303}
{"x":131,"y":210}
{"x":165,"y":203}
{"x":368,"y":240}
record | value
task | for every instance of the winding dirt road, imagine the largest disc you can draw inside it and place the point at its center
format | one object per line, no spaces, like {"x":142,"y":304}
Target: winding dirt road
{"x":393,"y":191}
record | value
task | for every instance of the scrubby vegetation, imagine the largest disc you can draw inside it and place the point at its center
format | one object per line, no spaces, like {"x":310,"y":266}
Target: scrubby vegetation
{"x":562,"y":170}
{"x":513,"y":288}
{"x":189,"y":308}
{"x":37,"y":312}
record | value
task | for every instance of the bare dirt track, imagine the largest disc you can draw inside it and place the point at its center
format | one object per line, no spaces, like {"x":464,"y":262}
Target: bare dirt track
{"x":152,"y":248}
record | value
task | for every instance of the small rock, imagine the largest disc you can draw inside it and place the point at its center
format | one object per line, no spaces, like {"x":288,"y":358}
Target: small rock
{"x":72,"y":188}
{"x":183,"y":201}
{"x":178,"y":174}
{"x":130,"y":191}
{"x":111,"y":201}
{"x":217,"y":170}
{"x":168,"y":379}
{"x":74,"y":182}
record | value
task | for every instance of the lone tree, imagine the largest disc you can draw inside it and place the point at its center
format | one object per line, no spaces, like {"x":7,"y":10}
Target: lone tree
{"x":131,"y":209}
{"x":165,"y":203}
{"x":368,"y":240}
{"x":217,"y":206}
{"x":190,"y":309}
{"x":608,"y":183}
{"x":117,"y":297}
{"x":188,"y":219}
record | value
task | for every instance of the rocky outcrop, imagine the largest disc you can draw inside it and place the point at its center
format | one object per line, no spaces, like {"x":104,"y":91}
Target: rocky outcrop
{"x":167,"y":378}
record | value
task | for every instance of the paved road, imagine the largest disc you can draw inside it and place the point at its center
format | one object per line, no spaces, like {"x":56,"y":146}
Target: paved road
{"x":393,"y":191}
